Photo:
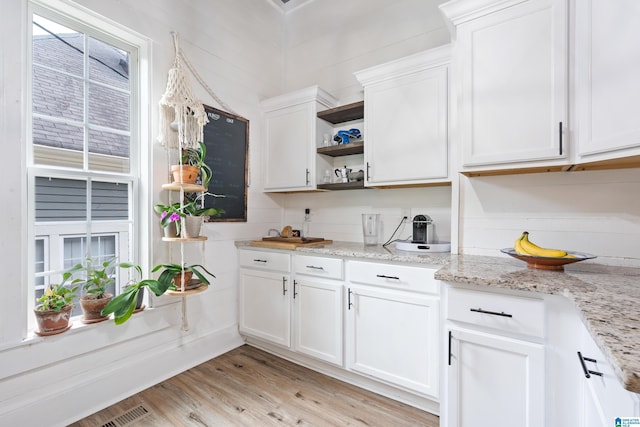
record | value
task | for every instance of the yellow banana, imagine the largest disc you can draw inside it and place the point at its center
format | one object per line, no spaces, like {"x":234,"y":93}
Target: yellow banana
{"x":532,"y":249}
{"x":518,"y":247}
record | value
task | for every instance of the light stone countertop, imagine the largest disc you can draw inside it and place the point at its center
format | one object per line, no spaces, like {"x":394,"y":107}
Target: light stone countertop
{"x":607,"y":297}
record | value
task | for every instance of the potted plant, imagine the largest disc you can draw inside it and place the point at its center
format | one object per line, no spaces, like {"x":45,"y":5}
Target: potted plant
{"x":98,"y":277}
{"x":192,"y":165}
{"x":173,"y":275}
{"x":170,"y":218}
{"x":53,"y":312}
{"x":195,"y":213}
{"x":123,"y":305}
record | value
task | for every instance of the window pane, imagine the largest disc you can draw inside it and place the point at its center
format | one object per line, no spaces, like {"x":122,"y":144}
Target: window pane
{"x":57,"y":144}
{"x":57,"y":95}
{"x":61,"y":199}
{"x":108,"y":151}
{"x":108,"y":107}
{"x":109,"y":200}
{"x":108,"y":64}
{"x":57,"y":46}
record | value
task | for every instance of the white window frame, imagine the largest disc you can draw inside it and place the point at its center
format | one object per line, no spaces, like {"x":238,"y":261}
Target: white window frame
{"x":140,"y":177}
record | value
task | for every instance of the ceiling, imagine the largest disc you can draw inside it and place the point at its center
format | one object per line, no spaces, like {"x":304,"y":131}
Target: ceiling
{"x":288,"y":5}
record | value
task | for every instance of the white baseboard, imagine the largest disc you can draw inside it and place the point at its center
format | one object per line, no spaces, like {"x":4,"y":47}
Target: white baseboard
{"x":85,"y":394}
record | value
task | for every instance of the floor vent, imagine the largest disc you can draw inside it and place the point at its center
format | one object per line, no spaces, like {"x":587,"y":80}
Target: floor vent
{"x":129,"y":417}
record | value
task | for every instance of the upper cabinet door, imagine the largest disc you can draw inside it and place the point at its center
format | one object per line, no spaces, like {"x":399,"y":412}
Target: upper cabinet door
{"x":607,"y":79}
{"x":291,"y":139}
{"x":406,"y":119}
{"x":513,"y":83}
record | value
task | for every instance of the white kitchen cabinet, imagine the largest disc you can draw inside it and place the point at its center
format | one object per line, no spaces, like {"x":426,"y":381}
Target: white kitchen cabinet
{"x":495,"y":360}
{"x":264,"y":296}
{"x":293,"y":132}
{"x":494,"y":381}
{"x":602,"y":397}
{"x":607,"y":86}
{"x":393,"y":325}
{"x":318,"y":307}
{"x":406,"y":119}
{"x":511,"y":82}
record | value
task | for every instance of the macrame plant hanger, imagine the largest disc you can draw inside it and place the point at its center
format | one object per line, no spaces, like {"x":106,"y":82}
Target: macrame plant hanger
{"x":182,"y":120}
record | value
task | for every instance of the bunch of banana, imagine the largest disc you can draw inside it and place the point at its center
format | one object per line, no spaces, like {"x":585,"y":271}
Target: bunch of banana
{"x":523,"y":246}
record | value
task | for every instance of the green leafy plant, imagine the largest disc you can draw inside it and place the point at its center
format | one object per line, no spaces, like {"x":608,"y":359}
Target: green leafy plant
{"x":196,"y":157}
{"x":123,"y":305}
{"x":98,"y":277}
{"x":169,"y":214}
{"x":56,"y":297}
{"x":170,"y":271}
{"x":192,"y":205}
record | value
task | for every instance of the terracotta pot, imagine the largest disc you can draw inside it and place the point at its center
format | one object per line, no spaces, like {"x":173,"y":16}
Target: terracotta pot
{"x":193,"y":225}
{"x":92,"y":308}
{"x":52,"y":322}
{"x":177,"y":280}
{"x":185,"y":174}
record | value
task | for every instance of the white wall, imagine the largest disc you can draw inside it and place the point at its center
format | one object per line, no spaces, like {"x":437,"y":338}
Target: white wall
{"x":237,"y":48}
{"x":326,"y":42}
{"x":596,"y":212}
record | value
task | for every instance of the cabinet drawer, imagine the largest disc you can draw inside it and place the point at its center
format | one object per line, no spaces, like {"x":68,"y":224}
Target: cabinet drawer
{"x":504,"y":312}
{"x":330,"y":268}
{"x":265,"y":260}
{"x":415,"y":279}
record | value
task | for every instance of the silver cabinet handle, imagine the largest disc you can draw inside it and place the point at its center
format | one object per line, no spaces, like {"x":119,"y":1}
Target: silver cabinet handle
{"x":284,"y":285}
{"x":313,"y":267}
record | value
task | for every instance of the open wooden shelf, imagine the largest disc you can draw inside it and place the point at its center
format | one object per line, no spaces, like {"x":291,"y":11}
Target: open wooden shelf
{"x":188,"y":188}
{"x":184,"y":239}
{"x":345,"y":113}
{"x":187,"y":292}
{"x":353,"y":185}
{"x":356,"y":147}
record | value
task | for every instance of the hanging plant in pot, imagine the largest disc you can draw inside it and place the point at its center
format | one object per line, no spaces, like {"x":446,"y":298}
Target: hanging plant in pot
{"x":170,"y":218}
{"x":98,"y":277}
{"x":192,"y":164}
{"x":195,"y":213}
{"x":173,"y":275}
{"x":54,"y":309}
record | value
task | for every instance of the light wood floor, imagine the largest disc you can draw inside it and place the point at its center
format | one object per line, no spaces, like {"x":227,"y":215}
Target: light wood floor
{"x":248,"y":387}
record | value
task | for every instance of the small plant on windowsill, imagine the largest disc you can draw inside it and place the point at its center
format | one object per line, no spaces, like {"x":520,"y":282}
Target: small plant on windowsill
{"x":54,"y":311}
{"x":98,"y":278}
{"x":125,"y":304}
{"x":172,"y":276}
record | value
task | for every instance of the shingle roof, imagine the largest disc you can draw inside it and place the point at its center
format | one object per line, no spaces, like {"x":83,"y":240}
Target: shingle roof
{"x":58,"y":92}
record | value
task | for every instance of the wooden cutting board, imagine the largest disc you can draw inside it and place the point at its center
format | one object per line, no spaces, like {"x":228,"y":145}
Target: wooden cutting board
{"x":289,"y":242}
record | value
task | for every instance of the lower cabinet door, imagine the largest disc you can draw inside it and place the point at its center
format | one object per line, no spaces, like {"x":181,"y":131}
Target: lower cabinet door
{"x":318,"y":319}
{"x":265,"y":307}
{"x":494,"y":381}
{"x":393,"y":336}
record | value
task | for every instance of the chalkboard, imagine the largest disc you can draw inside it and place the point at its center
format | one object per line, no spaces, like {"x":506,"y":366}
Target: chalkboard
{"x":226,"y":137}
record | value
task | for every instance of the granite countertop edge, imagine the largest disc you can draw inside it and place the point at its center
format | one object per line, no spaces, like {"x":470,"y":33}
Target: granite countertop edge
{"x":606,"y":297}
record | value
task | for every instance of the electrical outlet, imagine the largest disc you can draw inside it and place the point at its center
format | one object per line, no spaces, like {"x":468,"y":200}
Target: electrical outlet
{"x":406,"y":213}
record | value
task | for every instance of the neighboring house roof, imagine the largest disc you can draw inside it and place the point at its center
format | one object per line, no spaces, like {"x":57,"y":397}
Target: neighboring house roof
{"x":58,"y":92}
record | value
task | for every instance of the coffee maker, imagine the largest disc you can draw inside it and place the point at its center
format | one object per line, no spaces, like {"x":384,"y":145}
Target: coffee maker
{"x":422,"y":229}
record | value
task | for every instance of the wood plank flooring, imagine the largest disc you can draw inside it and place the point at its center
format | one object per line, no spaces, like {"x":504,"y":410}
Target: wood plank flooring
{"x":248,"y":387}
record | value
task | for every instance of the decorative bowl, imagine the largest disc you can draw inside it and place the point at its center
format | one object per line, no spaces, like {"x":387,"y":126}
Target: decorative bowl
{"x":548,"y":263}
